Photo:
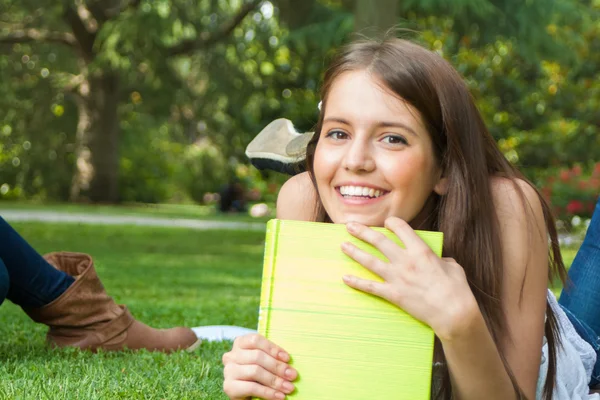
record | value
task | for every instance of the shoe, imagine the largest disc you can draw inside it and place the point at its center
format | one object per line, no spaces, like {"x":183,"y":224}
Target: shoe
{"x":278,"y":147}
{"x":84,"y":316}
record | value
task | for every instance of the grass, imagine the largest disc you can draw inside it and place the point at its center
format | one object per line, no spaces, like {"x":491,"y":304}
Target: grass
{"x":167,"y":277}
{"x":191,"y":211}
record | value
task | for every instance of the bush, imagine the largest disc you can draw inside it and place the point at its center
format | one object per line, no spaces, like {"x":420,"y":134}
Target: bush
{"x":203,"y":170}
{"x":148,"y":162}
{"x":573,"y":191}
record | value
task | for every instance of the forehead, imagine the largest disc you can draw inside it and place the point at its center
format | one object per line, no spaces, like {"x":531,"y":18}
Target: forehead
{"x":362,"y":96}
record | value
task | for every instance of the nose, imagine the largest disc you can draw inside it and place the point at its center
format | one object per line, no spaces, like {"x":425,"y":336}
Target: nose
{"x":359,"y":157}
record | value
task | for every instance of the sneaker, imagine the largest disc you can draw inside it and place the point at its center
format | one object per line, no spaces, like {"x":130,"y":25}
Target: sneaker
{"x":278,"y":147}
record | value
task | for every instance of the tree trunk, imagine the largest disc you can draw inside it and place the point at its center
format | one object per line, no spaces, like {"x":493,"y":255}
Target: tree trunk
{"x":375,"y":17}
{"x":97,"y":148}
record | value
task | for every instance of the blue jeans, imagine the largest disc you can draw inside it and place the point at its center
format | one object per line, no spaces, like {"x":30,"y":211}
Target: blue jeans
{"x":26,"y":279}
{"x":581,"y":298}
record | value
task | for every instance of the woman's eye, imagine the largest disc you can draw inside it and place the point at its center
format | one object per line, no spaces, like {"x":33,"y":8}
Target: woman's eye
{"x":394,"y":139}
{"x":337,"y":135}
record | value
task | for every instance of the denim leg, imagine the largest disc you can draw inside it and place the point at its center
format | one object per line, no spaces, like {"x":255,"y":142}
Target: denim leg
{"x":33,"y":281}
{"x":4,"y":282}
{"x":581,"y":297}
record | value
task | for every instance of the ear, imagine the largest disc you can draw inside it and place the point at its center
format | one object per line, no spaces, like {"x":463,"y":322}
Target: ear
{"x":441,"y":187}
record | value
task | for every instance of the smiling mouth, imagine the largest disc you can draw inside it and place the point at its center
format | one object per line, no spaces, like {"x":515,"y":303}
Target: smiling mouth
{"x":360,"y":192}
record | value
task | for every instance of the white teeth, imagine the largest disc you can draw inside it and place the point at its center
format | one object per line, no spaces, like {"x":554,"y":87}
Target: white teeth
{"x":360,"y":191}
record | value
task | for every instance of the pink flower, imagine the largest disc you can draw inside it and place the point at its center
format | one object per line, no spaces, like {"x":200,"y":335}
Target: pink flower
{"x":565,"y":175}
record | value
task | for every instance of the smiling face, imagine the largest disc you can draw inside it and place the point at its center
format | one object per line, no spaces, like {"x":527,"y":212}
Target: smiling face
{"x":374,"y":158}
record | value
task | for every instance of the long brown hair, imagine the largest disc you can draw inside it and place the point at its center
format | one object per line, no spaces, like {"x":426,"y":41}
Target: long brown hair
{"x":469,"y":157}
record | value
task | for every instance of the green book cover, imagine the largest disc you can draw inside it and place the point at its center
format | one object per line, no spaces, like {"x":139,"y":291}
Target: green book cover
{"x":345,"y":344}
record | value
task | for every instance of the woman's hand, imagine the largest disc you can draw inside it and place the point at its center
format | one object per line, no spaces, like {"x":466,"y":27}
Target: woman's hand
{"x":256,"y":367}
{"x":433,"y":290}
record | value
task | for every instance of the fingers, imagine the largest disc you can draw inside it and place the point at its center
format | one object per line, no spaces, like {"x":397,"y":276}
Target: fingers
{"x":241,"y":390}
{"x":256,"y":341}
{"x":377,"y":239}
{"x":242,"y":381}
{"x":265,"y":361}
{"x":257,"y":367}
{"x":407,"y":235}
{"x":366,"y":285}
{"x":365,"y":259}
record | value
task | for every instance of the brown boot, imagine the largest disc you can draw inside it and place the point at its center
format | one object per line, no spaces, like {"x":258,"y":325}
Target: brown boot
{"x":85,"y":316}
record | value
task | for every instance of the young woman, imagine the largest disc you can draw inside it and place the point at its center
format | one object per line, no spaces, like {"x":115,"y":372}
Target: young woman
{"x":399,"y":143}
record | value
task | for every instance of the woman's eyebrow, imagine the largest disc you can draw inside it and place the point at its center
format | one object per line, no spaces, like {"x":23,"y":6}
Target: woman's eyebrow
{"x":400,"y":125}
{"x":336,"y":119}
{"x":382,"y":124}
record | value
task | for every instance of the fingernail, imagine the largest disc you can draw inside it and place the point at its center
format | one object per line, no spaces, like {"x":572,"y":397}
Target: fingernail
{"x":283,"y":356}
{"x":288,"y":387}
{"x":280,"y":395}
{"x":351,"y":226}
{"x":289,"y":372}
{"x":346,"y":278}
{"x":345,"y":246}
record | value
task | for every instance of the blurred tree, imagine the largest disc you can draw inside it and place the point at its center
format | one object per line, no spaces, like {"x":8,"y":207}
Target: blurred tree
{"x":221,"y":70}
{"x":106,"y":38}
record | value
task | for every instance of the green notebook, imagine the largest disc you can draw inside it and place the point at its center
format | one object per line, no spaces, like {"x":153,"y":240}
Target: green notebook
{"x":345,"y":344}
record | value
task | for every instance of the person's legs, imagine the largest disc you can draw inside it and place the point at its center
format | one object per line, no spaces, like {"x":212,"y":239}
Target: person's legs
{"x":33,"y":281}
{"x":4,"y":282}
{"x":63,"y":291}
{"x":581,"y":297}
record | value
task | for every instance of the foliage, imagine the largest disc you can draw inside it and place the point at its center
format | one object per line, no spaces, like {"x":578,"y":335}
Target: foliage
{"x":149,"y":161}
{"x":204,"y":170}
{"x":573,"y":191}
{"x":534,"y":73}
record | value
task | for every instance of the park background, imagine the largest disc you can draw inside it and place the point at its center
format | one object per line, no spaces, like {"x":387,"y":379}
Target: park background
{"x":140,"y":108}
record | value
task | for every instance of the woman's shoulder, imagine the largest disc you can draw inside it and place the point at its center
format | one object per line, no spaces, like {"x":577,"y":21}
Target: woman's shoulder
{"x":516,"y":198}
{"x":297,"y":199}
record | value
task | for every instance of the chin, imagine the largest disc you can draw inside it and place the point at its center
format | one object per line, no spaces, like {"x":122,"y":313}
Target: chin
{"x":361,"y":219}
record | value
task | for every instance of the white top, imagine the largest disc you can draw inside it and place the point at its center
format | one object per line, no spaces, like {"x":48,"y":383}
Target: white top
{"x":575,"y":362}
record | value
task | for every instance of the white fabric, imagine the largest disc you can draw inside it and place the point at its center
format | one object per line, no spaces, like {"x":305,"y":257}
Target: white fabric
{"x":213,"y":333}
{"x":575,"y":361}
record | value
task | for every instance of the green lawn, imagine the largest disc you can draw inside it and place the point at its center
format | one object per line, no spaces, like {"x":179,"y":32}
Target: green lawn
{"x":167,"y":277}
{"x":192,"y":211}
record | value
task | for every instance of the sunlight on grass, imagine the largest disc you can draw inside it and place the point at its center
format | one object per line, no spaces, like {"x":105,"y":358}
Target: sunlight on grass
{"x":167,"y":277}
{"x":191,"y":211}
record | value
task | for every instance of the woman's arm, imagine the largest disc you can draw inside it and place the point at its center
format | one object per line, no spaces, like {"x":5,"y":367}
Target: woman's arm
{"x":297,"y":199}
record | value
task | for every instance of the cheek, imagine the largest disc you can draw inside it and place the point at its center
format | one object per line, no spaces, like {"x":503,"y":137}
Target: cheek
{"x":411,"y":171}
{"x":324,"y":165}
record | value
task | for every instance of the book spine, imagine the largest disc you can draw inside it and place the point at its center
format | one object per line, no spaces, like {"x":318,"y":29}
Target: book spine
{"x":266,"y":292}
